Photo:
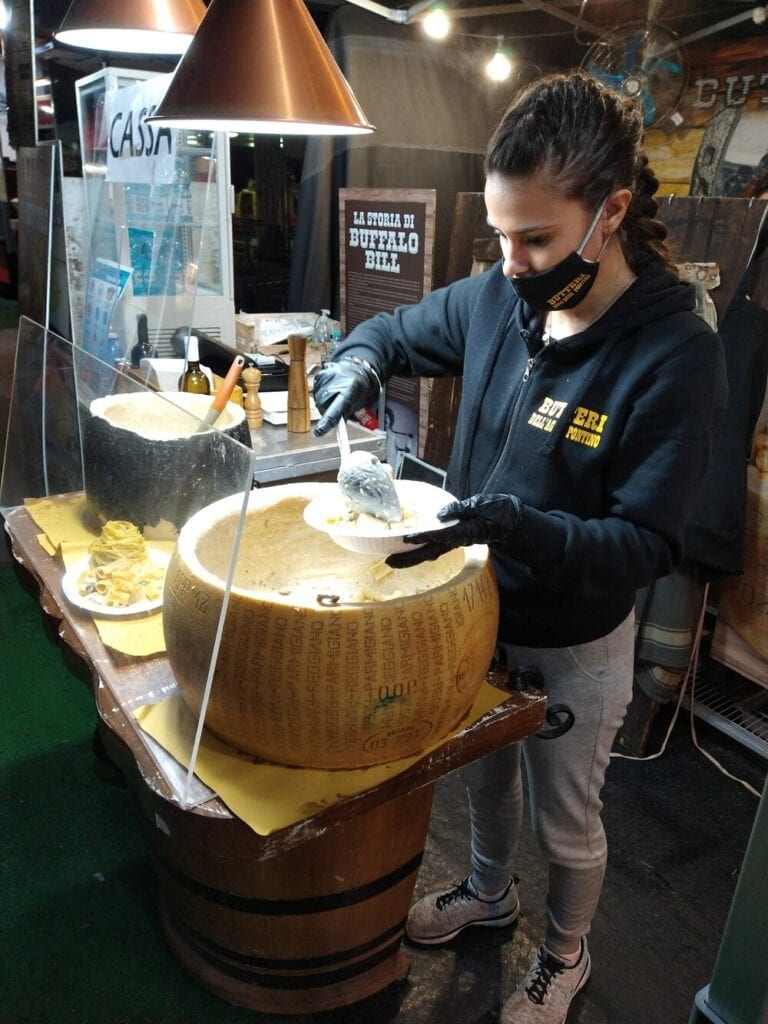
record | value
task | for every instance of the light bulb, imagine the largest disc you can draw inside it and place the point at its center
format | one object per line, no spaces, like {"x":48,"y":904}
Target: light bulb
{"x":436,"y":24}
{"x":499,"y":67}
{"x":112,"y":40}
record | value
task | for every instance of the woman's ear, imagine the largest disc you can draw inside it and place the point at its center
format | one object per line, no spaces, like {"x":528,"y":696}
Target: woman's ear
{"x":616,"y":207}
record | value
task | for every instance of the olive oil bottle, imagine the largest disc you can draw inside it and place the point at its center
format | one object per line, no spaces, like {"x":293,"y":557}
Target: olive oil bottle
{"x":193,"y":379}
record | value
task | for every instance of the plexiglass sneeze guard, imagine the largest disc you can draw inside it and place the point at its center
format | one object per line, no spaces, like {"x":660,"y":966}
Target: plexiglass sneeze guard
{"x":88,"y":447}
{"x":158,"y":220}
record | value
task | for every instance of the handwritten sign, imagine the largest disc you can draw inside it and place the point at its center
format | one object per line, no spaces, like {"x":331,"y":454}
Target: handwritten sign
{"x":138,"y":152}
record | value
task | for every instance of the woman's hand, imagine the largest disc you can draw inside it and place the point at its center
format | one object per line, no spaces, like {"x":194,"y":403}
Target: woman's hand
{"x":482,"y":519}
{"x":341,"y":388}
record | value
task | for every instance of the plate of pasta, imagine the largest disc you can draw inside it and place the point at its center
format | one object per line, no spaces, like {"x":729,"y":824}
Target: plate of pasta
{"x":119,"y":575}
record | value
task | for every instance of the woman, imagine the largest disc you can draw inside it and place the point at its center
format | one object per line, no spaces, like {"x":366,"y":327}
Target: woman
{"x":591,"y":392}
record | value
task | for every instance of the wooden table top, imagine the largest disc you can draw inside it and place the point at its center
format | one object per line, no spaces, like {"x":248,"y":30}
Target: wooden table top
{"x":122,"y":683}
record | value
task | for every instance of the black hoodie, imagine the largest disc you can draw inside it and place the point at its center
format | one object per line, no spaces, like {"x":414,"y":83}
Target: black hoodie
{"x":604,"y":436}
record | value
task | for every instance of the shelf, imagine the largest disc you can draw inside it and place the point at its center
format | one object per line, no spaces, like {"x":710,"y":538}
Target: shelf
{"x":732,"y":704}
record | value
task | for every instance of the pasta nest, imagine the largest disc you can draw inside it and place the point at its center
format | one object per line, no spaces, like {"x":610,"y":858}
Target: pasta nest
{"x":121,"y":571}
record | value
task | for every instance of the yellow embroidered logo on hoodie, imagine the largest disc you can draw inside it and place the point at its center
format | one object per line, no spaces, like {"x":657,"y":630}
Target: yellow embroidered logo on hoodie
{"x":547,"y":415}
{"x":586,"y":427}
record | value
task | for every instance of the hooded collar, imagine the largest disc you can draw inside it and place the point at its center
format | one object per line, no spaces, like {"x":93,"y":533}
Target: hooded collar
{"x":654,"y":295}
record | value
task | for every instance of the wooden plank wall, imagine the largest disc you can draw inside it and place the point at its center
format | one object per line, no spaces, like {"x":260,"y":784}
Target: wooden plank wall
{"x":719,"y":230}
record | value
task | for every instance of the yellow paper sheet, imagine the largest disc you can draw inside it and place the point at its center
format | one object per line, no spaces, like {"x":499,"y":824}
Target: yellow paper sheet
{"x":140,"y":637}
{"x":73,"y":551}
{"x":268,"y":797}
{"x":60,"y":518}
{"x":46,"y":545}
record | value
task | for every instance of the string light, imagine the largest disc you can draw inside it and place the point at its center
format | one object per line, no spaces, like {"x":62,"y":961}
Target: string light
{"x":437,"y":24}
{"x":499,"y":67}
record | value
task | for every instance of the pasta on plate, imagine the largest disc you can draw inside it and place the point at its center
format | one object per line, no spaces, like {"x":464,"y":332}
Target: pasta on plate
{"x":120,"y":571}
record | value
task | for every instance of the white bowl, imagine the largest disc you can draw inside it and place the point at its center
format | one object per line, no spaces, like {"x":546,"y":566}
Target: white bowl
{"x":420,"y":502}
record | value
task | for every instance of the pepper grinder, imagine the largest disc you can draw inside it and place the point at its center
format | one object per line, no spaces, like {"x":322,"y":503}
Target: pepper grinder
{"x":299,"y":417}
{"x":252,"y":403}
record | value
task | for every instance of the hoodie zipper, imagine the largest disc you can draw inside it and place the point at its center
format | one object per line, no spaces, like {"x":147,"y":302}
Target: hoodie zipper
{"x":516,"y":406}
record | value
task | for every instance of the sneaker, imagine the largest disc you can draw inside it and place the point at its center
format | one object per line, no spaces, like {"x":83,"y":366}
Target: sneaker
{"x":440,"y":916}
{"x":546,"y":992}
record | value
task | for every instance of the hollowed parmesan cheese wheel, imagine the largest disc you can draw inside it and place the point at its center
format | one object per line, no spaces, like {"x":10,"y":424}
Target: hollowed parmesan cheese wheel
{"x":146,"y":463}
{"x":323,"y":662}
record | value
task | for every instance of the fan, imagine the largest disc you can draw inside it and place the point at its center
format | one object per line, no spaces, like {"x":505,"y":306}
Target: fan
{"x":644,"y":62}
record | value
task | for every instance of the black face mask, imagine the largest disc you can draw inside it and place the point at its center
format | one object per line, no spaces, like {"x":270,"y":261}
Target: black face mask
{"x":567,"y":283}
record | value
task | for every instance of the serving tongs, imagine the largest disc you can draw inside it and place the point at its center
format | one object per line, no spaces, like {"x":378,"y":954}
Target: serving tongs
{"x":364,"y":481}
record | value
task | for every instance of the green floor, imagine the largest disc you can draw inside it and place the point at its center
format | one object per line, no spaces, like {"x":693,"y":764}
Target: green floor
{"x":79,"y":938}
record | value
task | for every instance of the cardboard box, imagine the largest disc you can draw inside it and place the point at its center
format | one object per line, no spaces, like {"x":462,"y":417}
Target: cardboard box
{"x":729,"y":648}
{"x":266,"y":332}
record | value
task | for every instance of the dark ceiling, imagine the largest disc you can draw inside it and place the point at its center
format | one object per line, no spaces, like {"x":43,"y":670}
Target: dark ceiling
{"x":542,"y":33}
{"x":533,"y":26}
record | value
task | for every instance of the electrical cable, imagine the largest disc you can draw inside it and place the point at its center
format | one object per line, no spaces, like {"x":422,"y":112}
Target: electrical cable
{"x":690,"y":673}
{"x":710,"y":757}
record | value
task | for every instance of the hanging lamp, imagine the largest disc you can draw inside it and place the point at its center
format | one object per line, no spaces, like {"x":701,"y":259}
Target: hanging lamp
{"x":260,"y":66}
{"x":131,"y":26}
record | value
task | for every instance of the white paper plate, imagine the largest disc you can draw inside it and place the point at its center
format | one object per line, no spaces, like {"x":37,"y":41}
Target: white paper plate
{"x":420,"y":503}
{"x":86,"y":601}
{"x":274,"y":406}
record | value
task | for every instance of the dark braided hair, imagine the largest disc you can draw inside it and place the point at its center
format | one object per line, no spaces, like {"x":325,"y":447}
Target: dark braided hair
{"x":588,"y":140}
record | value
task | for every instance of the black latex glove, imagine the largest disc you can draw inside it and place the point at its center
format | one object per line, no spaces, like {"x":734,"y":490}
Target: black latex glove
{"x":482,"y":519}
{"x":341,"y":388}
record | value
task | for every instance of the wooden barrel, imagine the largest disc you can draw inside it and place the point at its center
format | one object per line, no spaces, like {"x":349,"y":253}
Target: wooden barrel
{"x":315,"y":926}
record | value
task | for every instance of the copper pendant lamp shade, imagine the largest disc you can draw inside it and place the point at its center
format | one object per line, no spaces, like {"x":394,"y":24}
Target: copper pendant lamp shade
{"x":260,"y":66}
{"x":131,"y":26}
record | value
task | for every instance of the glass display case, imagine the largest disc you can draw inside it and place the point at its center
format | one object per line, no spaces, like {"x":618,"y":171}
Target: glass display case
{"x":158,"y":204}
{"x":104,"y":473}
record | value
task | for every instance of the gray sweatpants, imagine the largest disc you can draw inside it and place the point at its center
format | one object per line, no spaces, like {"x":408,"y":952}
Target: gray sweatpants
{"x":565,"y":777}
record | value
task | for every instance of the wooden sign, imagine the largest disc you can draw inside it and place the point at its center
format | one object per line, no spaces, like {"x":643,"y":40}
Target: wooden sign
{"x":386,"y":246}
{"x":720,"y":139}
